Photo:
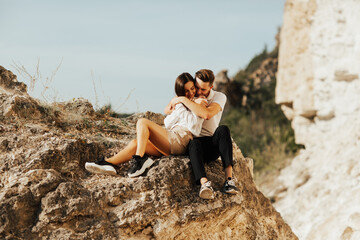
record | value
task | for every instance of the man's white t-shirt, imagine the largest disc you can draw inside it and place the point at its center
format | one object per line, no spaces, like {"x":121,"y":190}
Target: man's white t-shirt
{"x":209,"y":126}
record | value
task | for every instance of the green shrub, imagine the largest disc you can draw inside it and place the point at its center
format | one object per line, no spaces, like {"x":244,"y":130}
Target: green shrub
{"x":256,"y":61}
{"x":259,"y":128}
{"x":107,"y":110}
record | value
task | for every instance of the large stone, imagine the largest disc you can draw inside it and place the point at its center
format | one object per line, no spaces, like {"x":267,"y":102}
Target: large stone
{"x":9,"y":82}
{"x":295,"y":71}
{"x":19,"y":106}
{"x":14,"y":100}
{"x":20,"y":200}
{"x":318,"y":78}
{"x":79,"y":105}
{"x":45,"y":192}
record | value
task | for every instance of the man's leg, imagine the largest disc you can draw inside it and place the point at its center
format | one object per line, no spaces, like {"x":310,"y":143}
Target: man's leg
{"x":222,"y":141}
{"x":196,"y":155}
{"x":196,"y":149}
{"x":201,"y":150}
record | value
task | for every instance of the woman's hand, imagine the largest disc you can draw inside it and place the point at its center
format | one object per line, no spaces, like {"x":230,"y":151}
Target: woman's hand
{"x":175,"y":101}
{"x":171,"y":106}
{"x":202,"y":101}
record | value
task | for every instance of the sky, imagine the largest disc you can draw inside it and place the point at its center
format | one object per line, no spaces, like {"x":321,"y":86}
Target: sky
{"x":129,"y":53}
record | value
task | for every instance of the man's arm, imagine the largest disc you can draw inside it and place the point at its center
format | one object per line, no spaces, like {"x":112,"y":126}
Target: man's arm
{"x":199,"y":109}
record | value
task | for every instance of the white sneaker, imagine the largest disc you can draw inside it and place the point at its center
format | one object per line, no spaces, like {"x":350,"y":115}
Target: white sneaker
{"x":206,"y":191}
{"x":100,"y":167}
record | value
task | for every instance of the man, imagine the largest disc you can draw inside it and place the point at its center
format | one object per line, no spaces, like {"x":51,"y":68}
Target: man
{"x":214,"y":140}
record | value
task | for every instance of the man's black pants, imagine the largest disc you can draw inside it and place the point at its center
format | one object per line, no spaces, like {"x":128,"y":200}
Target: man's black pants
{"x":207,"y":149}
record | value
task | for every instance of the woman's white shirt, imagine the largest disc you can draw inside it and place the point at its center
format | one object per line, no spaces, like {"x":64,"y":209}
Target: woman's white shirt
{"x":182,"y":116}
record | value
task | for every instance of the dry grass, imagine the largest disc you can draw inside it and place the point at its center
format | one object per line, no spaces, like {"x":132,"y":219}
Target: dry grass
{"x":106,"y":98}
{"x":96,"y":95}
{"x":50,"y":95}
{"x":36,"y":78}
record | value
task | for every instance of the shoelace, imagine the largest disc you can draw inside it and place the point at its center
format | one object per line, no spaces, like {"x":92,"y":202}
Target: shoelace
{"x":207,"y":184}
{"x":231,"y":182}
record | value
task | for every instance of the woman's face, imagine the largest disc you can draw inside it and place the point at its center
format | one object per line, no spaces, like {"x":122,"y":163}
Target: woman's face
{"x":190,"y":90}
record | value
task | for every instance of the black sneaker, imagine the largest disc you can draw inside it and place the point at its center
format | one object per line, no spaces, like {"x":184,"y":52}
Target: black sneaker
{"x":100,"y":167}
{"x":229,"y":186}
{"x":139,"y":165}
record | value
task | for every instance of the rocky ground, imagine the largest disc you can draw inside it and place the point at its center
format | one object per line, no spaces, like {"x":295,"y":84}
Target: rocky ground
{"x":45,"y":192}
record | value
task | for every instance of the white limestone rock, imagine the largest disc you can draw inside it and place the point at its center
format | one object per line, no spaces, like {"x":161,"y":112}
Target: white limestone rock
{"x":318,"y":75}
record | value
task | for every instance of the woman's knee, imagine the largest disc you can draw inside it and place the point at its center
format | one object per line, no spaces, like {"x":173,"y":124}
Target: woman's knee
{"x":133,"y":142}
{"x":142,"y":122}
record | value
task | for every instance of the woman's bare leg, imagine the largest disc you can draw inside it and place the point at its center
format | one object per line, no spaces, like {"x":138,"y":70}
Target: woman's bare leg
{"x":148,"y":130}
{"x":130,"y":150}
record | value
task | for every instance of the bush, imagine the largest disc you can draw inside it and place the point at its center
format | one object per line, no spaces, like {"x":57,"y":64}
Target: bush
{"x":256,"y":61}
{"x":108,"y":111}
{"x":259,"y":128}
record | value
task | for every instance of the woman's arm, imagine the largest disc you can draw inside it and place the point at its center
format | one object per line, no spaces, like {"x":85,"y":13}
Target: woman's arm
{"x":183,"y":116}
{"x":194,"y":122}
{"x":170,"y":107}
{"x":205,"y":112}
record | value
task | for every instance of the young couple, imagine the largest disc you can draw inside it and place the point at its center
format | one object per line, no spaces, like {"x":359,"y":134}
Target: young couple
{"x":191,"y":126}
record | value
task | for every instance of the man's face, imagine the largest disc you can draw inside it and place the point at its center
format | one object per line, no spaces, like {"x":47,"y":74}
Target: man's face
{"x":202,"y":88}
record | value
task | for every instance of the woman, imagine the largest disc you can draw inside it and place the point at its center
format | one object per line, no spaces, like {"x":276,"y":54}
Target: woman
{"x":155,"y":140}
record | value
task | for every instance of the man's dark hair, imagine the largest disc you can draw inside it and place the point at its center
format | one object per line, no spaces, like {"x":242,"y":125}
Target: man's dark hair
{"x":205,"y":75}
{"x":180,"y":82}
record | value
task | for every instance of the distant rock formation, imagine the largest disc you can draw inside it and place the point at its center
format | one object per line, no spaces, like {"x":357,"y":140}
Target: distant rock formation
{"x":265,"y":73}
{"x":231,"y":89}
{"x":224,"y":84}
{"x":240,"y":92}
{"x":318,"y":85}
{"x":45,"y":192}
{"x":221,"y":80}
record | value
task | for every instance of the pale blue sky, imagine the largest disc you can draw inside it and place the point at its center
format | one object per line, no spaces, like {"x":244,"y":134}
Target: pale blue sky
{"x":136,"y":47}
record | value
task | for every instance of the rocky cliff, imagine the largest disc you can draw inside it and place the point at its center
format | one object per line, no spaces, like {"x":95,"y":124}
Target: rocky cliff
{"x":319,"y":89}
{"x":45,"y":192}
